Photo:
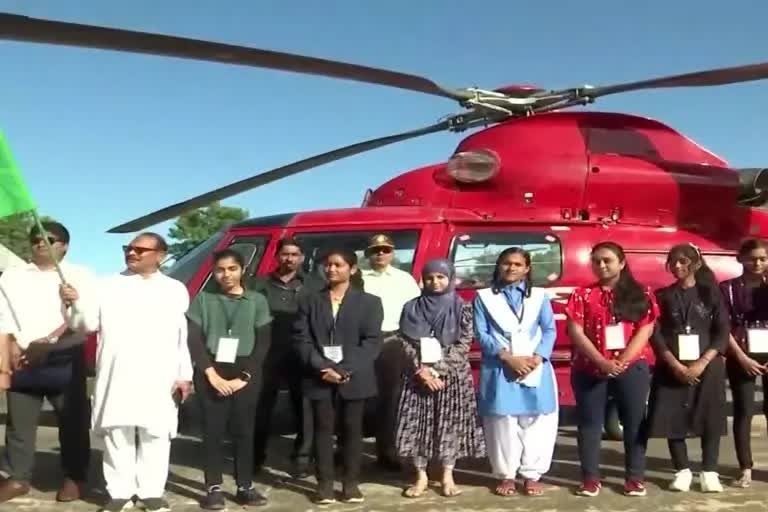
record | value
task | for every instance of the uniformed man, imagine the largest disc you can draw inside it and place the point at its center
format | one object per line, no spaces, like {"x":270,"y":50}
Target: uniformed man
{"x":394,"y":287}
{"x":282,"y":289}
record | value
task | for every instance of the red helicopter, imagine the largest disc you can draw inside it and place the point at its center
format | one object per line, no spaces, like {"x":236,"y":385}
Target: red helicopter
{"x":538,"y":176}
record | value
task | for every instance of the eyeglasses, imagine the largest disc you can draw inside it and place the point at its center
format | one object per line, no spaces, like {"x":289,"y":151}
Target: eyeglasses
{"x":138,"y":250}
{"x":377,"y":250}
{"x":36,"y":240}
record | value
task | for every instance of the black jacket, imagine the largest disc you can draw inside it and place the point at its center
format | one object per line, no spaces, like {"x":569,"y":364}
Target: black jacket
{"x":357,"y":329}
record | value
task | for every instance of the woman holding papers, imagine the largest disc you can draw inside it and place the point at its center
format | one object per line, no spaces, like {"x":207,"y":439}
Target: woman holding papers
{"x":437,"y":417}
{"x":746,"y":298}
{"x":338,"y":338}
{"x":228,"y":337}
{"x":610,"y":324}
{"x":517,"y":399}
{"x":688,"y":389}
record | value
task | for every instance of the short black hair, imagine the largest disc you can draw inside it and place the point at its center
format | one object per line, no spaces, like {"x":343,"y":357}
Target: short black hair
{"x":284,"y":242}
{"x":229,"y":253}
{"x":160,"y":242}
{"x":55,"y":228}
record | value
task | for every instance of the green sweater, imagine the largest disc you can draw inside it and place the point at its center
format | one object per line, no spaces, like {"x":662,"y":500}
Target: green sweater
{"x":224,"y":316}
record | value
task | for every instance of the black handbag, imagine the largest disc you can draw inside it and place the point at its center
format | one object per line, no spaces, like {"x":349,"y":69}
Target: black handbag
{"x":54,"y":374}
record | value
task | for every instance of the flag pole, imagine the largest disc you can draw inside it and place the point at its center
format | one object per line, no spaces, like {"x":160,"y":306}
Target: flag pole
{"x":48,"y":245}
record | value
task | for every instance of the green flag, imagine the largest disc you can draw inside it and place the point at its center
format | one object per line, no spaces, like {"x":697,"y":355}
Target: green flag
{"x":14,"y":195}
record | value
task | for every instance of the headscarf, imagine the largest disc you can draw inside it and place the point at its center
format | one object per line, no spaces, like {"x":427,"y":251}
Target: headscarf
{"x":434,"y":312}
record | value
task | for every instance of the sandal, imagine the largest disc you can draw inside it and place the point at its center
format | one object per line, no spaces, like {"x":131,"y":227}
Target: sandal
{"x":506,"y":488}
{"x":415,"y":491}
{"x":533,"y":488}
{"x":450,"y":491}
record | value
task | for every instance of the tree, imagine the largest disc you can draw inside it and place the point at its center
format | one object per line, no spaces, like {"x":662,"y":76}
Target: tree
{"x":199,"y":225}
{"x":14,"y":233}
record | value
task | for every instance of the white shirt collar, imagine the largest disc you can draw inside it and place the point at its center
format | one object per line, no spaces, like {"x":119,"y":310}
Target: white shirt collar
{"x":134,"y":275}
{"x":388,"y":271}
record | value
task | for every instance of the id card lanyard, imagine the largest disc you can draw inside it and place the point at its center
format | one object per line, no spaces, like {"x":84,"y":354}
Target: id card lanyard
{"x":230,"y":318}
{"x":333,"y":351}
{"x":685,"y":312}
{"x":614,"y":337}
{"x":519,"y":316}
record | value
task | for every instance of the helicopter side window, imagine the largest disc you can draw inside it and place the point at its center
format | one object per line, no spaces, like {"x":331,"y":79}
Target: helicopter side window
{"x":252,"y":250}
{"x":185,"y":268}
{"x":474,"y":256}
{"x":315,"y":245}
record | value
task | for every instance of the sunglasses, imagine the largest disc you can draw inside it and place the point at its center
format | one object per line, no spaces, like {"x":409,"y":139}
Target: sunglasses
{"x":36,"y":240}
{"x":138,"y":250}
{"x":377,"y":250}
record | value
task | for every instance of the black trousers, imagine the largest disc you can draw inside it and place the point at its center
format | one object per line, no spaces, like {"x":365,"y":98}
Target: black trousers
{"x":236,"y":412}
{"x":743,"y":393}
{"x":72,"y":409}
{"x":630,"y":390}
{"x":389,"y":371}
{"x":286,"y":371}
{"x":351,"y":416}
{"x":710,"y":448}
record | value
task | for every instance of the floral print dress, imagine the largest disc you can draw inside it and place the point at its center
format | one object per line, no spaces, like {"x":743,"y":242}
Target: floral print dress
{"x":442,"y":425}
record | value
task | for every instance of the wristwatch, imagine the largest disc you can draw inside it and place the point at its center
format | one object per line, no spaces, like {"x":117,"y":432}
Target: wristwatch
{"x":245,"y":376}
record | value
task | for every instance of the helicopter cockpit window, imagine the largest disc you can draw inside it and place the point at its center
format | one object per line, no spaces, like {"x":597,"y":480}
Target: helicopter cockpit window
{"x":315,"y":245}
{"x":185,"y":267}
{"x":252,"y":250}
{"x":474,"y":256}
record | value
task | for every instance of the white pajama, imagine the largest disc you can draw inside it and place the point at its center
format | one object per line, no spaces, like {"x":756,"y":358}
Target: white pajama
{"x":135,"y":463}
{"x":521,"y":444}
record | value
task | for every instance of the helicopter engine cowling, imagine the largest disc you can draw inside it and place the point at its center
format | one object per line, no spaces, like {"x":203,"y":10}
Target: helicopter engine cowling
{"x":753,"y":186}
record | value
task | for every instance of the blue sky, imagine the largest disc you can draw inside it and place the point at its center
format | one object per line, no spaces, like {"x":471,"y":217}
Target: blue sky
{"x":104,"y":137}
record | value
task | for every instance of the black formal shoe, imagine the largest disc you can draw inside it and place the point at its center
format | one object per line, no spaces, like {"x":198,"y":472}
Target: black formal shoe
{"x":300,"y":471}
{"x":214,"y":499}
{"x":250,"y":497}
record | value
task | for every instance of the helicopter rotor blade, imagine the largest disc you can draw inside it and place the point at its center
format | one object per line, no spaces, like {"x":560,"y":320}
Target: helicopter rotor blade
{"x":202,"y":200}
{"x":712,"y":77}
{"x":14,"y":27}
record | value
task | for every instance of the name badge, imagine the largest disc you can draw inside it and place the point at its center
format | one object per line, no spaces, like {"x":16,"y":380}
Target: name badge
{"x":430,"y":350}
{"x":688,"y":347}
{"x":757,"y":341}
{"x":334,"y":352}
{"x":614,"y":337}
{"x":227,"y":350}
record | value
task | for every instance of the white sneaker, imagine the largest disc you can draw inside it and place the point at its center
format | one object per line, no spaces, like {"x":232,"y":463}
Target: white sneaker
{"x":682,"y":481}
{"x":710,"y":482}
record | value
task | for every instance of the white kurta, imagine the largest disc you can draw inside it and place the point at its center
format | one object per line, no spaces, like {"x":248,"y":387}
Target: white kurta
{"x":142,"y":352}
{"x":30,"y":305}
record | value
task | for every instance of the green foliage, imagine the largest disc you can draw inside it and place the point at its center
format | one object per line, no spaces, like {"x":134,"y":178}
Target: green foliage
{"x":14,"y":233}
{"x":199,"y":225}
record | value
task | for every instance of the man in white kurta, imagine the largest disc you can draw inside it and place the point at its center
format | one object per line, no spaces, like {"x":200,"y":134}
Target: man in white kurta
{"x":143,"y":370}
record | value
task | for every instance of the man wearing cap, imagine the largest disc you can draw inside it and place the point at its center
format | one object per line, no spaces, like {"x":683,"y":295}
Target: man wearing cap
{"x":394,"y":287}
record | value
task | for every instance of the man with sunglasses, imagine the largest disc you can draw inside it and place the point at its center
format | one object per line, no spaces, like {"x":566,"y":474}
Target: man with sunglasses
{"x":143,"y":373}
{"x":394,"y":287}
{"x":47,"y":361}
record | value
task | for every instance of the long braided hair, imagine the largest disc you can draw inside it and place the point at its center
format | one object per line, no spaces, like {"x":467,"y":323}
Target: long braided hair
{"x":497,"y":283}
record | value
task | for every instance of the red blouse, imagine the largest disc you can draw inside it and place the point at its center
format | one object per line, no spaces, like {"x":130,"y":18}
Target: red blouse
{"x":590,"y":308}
